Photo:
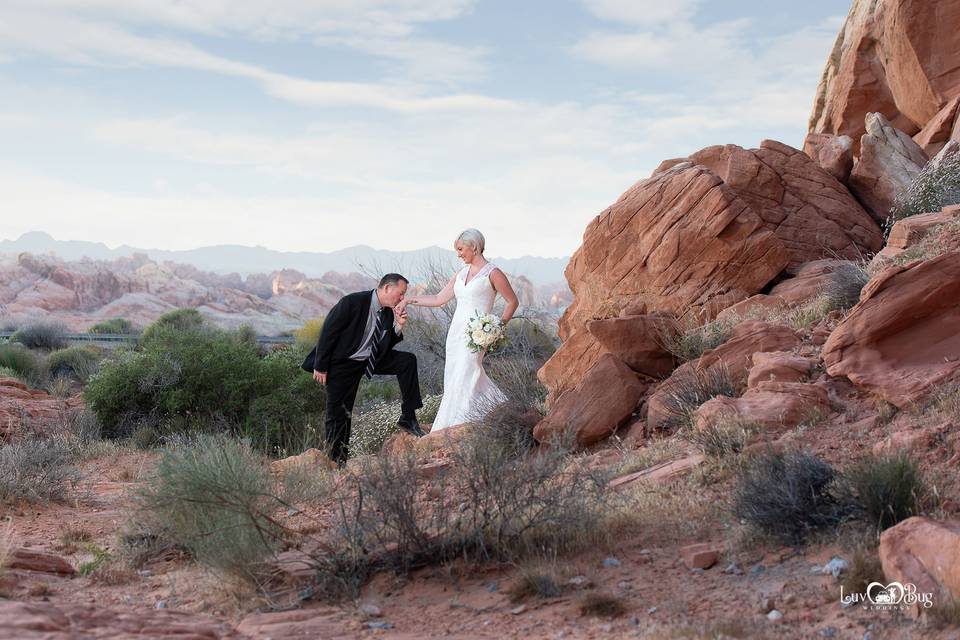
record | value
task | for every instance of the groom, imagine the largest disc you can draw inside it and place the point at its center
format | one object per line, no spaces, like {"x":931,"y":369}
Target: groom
{"x":357,"y":340}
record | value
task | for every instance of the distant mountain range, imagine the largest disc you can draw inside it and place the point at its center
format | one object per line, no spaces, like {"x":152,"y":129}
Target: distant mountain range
{"x":224,"y":259}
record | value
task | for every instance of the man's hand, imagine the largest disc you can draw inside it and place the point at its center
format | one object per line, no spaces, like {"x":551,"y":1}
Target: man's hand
{"x":320,"y":376}
{"x":401,"y":308}
{"x":401,"y":319}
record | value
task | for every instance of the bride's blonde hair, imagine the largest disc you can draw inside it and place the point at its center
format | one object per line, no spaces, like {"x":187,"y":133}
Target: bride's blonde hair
{"x":473,"y":238}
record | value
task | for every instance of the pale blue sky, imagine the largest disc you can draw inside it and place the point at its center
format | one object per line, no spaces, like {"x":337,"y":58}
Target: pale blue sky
{"x":315,"y":125}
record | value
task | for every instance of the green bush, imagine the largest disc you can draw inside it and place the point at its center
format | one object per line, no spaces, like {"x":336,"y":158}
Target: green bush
{"x":36,"y":471}
{"x":309,"y":333}
{"x":176,"y":320}
{"x":214,"y":497}
{"x":286,"y":416}
{"x":114,"y":325}
{"x":789,"y":495}
{"x":20,"y":359}
{"x":200,"y":372}
{"x":42,"y":335}
{"x":78,"y":363}
{"x":889,"y":489}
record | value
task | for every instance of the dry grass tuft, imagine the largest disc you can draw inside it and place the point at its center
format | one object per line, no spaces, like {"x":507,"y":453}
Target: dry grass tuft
{"x":596,"y":604}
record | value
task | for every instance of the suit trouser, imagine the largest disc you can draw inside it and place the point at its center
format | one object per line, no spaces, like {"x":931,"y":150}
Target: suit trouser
{"x":343,"y":381}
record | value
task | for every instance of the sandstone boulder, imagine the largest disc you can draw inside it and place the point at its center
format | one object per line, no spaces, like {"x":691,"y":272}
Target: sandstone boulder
{"x":889,"y":161}
{"x":637,"y":341}
{"x":898,"y":57}
{"x":769,"y":405}
{"x":925,"y":553}
{"x":779,"y":366}
{"x":675,"y":241}
{"x":903,"y":339}
{"x":939,"y":129}
{"x":809,"y":281}
{"x":834,"y":154}
{"x":911,"y":231}
{"x":603,"y":401}
{"x":735,"y":356}
{"x":912,"y":441}
{"x":809,"y":210}
{"x":28,"y":559}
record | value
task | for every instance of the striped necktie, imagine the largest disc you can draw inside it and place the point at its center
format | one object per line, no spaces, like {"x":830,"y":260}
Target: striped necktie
{"x":375,"y":346}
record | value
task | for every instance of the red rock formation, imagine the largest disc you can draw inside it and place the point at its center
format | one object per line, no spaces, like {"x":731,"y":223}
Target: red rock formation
{"x":779,"y":366}
{"x":637,"y":341}
{"x":924,"y":553}
{"x":735,"y":355}
{"x":903,"y":338}
{"x":771,"y":405}
{"x":889,"y":161}
{"x":605,"y":398}
{"x":897,"y":57}
{"x":812,"y":214}
{"x":678,"y":242}
{"x":834,"y":154}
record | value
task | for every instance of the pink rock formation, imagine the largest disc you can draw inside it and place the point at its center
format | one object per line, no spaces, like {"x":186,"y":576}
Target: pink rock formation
{"x":889,"y":161}
{"x":603,"y":401}
{"x":811,"y":213}
{"x":903,"y":339}
{"x":834,"y":154}
{"x":779,"y":366}
{"x":925,"y":553}
{"x":677,"y":241}
{"x":637,"y":341}
{"x":771,"y":405}
{"x":898,"y":57}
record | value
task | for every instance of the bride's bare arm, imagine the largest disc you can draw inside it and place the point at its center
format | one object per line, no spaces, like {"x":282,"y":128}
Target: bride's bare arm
{"x":502,"y":285}
{"x":438,"y":300}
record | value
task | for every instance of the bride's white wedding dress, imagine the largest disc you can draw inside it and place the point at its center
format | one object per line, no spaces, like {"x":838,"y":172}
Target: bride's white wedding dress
{"x":467,"y":391}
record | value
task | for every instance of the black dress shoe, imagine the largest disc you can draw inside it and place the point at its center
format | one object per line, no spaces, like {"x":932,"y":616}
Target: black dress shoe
{"x":410,"y":425}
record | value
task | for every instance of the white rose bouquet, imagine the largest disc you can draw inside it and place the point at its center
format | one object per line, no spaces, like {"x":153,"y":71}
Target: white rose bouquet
{"x":485,"y":332}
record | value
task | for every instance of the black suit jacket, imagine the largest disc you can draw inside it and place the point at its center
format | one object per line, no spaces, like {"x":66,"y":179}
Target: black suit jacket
{"x":343,"y":331}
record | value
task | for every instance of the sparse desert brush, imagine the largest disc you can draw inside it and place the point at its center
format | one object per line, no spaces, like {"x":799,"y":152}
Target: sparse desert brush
{"x":114,"y":325}
{"x":723,"y":438}
{"x":19,"y":359}
{"x":35,"y":470}
{"x":214,"y":497}
{"x":309,"y":333}
{"x":41,"y":335}
{"x":692,"y":340}
{"x":845,"y":283}
{"x":865,"y":567}
{"x":596,"y":604}
{"x":374,"y":423}
{"x":534,"y":582}
{"x":936,"y":186}
{"x":889,"y":489}
{"x":687,"y":390}
{"x":790,"y":495}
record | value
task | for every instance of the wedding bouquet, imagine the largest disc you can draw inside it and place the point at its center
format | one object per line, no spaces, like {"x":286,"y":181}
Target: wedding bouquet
{"x":485,"y":332}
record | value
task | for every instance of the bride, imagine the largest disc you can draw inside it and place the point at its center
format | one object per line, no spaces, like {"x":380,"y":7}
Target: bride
{"x":467,"y":391}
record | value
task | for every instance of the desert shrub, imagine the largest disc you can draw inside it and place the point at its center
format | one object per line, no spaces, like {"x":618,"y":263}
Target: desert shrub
{"x":377,"y":421}
{"x":309,"y":333}
{"x":197,"y":372}
{"x":865,"y":567}
{"x":214,"y":497}
{"x":114,"y":325}
{"x":889,"y":489}
{"x":36,"y":470}
{"x":378,"y":390}
{"x":510,"y":426}
{"x":533,"y":583}
{"x":78,"y":363}
{"x":721,"y":439}
{"x":20,"y":359}
{"x":172,"y":322}
{"x":845,"y":284}
{"x":601,"y":605}
{"x":286,"y":416}
{"x":692,"y":341}
{"x":7,"y":372}
{"x":789,"y":495}
{"x":936,"y":186}
{"x":686,"y":391}
{"x":41,"y":335}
